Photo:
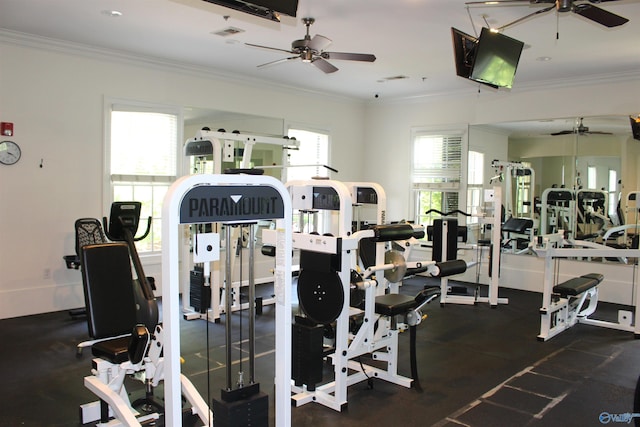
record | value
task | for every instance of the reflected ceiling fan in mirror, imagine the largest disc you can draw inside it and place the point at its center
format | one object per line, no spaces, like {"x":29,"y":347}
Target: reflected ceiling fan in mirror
{"x":580,"y":129}
{"x":311,"y":50}
{"x":585,"y":9}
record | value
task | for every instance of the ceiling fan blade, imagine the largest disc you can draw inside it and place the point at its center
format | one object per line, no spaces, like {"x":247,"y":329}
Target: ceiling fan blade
{"x":366,"y":57}
{"x":599,"y":15}
{"x":562,"y":132}
{"x":319,"y":43}
{"x":323,"y":65}
{"x":267,"y":47}
{"x":598,"y":132}
{"x":277,"y":61}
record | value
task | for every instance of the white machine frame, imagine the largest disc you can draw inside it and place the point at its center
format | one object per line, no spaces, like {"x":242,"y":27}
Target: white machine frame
{"x":557,"y":313}
{"x":511,"y":170}
{"x":494,"y":197}
{"x":108,"y":383}
{"x":380,"y":341}
{"x":176,"y":197}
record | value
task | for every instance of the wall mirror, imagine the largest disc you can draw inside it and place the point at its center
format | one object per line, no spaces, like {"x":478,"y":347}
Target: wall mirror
{"x":585,"y":154}
{"x":262,"y":154}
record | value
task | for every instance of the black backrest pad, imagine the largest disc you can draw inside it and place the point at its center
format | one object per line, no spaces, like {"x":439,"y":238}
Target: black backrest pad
{"x":108,"y":289}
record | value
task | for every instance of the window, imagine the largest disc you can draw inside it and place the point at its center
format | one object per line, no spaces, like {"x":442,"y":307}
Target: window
{"x":437,"y":168}
{"x":475,"y":179}
{"x":142,"y":153}
{"x":613,"y":191}
{"x":306,"y":163}
{"x":313,"y":152}
{"x":592,"y":177}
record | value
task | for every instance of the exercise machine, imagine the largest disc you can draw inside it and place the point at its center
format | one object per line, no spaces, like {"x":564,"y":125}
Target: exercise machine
{"x":88,"y":231}
{"x":575,"y":300}
{"x":519,"y":185}
{"x":117,"y":303}
{"x":557,"y":207}
{"x":445,"y":233}
{"x":352,"y":328}
{"x":229,"y":200}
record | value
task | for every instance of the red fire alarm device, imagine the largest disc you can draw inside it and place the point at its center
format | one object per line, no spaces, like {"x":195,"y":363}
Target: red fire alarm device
{"x":6,"y":129}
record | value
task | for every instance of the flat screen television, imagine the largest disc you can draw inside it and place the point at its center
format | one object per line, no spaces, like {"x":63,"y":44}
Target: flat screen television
{"x":464,"y":50}
{"x":491,"y":59}
{"x":635,"y":127}
{"x":262,"y":8}
{"x":496,"y":59}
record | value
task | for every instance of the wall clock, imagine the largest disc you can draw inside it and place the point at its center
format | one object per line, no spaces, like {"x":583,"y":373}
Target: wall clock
{"x":9,"y":153}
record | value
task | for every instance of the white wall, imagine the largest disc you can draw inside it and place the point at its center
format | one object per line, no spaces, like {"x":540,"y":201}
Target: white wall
{"x":54,"y":95}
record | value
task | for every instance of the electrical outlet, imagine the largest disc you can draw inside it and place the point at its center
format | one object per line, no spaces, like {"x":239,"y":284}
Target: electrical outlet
{"x":46,"y":273}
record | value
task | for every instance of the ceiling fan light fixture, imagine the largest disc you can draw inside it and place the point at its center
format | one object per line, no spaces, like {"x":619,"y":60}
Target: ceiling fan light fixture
{"x":306,"y":56}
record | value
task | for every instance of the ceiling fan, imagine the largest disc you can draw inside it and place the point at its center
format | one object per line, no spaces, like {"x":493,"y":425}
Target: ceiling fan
{"x":584,"y":9}
{"x":580,"y":129}
{"x":311,"y":50}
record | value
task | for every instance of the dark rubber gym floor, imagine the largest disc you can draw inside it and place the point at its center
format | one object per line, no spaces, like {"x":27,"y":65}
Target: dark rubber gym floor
{"x":478,"y":366}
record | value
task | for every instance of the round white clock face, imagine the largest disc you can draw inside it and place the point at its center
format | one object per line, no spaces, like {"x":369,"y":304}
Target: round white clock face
{"x":9,"y":152}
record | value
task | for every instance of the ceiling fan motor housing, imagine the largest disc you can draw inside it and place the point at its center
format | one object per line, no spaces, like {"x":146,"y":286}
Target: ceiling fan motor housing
{"x":300,"y":45}
{"x":564,"y":5}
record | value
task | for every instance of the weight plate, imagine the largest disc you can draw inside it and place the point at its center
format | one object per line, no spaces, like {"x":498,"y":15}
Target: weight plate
{"x":321,"y":295}
{"x":395,"y":274}
{"x":356,"y":295}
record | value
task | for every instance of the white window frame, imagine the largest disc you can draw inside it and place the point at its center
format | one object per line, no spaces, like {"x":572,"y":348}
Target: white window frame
{"x":324,"y":217}
{"x":319,"y":170}
{"x":475,"y":186}
{"x":612,"y":190}
{"x":120,"y":104}
{"x":592,"y":177}
{"x":460,"y":187}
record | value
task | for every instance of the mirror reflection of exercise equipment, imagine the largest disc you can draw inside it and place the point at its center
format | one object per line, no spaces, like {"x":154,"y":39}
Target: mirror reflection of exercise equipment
{"x":210,"y":152}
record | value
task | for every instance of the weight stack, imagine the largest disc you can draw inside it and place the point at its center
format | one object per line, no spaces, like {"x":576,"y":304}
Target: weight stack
{"x":307,"y":354}
{"x":252,"y":411}
{"x":199,"y":294}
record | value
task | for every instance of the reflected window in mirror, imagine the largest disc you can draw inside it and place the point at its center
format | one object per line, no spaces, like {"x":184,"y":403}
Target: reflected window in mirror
{"x":475,"y":180}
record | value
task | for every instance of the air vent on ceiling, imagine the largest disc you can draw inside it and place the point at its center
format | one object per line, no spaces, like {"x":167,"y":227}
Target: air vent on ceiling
{"x":229,"y":31}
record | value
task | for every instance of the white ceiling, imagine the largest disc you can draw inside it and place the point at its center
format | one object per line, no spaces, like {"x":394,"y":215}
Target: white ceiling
{"x":410,"y":38}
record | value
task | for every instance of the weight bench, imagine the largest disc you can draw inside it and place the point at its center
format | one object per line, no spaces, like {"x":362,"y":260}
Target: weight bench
{"x":567,"y":305}
{"x":519,"y":232}
{"x":394,"y":305}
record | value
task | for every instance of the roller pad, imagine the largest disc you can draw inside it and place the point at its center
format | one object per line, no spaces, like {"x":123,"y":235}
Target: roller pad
{"x":578,"y":285}
{"x":449,"y":268}
{"x":389,"y":232}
